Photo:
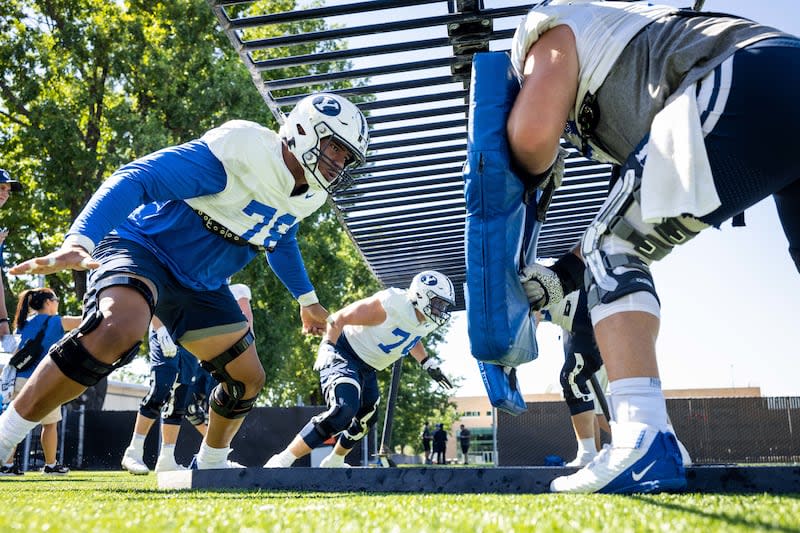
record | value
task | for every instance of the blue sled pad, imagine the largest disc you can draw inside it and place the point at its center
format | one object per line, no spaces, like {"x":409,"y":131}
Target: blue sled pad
{"x":501,"y":230}
{"x":502,"y":387}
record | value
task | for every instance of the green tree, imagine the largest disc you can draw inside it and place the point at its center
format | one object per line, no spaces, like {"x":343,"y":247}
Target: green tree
{"x":88,"y":85}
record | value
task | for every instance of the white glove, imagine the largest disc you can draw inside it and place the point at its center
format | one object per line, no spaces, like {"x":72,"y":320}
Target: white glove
{"x":563,"y":312}
{"x":542,"y":286}
{"x":325,"y":354}
{"x":168,"y":347}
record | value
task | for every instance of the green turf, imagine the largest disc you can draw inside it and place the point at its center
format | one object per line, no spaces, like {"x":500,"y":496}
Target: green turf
{"x":117,"y":501}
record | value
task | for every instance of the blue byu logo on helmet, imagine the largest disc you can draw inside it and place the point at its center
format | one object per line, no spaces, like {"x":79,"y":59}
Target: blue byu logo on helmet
{"x":429,"y":280}
{"x":327,"y":105}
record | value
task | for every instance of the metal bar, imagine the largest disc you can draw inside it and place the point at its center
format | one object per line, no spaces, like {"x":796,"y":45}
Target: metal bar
{"x":398,"y":217}
{"x":459,"y":223}
{"x":285,"y":101}
{"x":319,"y":79}
{"x":349,"y":53}
{"x":423,"y":113}
{"x":402,"y":177}
{"x":388,"y":186}
{"x":401,"y":203}
{"x":420,"y":152}
{"x":413,"y":100}
{"x":336,"y":34}
{"x":411,"y":238}
{"x":284,"y":17}
{"x":417,"y":128}
{"x":410,"y":164}
{"x":414,"y":141}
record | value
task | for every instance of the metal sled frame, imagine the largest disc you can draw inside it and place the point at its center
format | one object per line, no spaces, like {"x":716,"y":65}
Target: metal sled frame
{"x":407,"y":64}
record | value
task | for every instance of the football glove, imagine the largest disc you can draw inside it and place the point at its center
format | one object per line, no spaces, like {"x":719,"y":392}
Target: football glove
{"x":325,"y":354}
{"x":168,"y":347}
{"x":431,"y":366}
{"x":563,"y":313}
{"x":542,"y":286}
{"x":196,"y":413}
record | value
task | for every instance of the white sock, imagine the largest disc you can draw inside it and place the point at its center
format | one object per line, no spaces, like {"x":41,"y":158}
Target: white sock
{"x":137,"y":443}
{"x":286,"y":458}
{"x":167,"y":450}
{"x":13,"y":429}
{"x":586,"y":445}
{"x":638,"y":400}
{"x":212,"y":456}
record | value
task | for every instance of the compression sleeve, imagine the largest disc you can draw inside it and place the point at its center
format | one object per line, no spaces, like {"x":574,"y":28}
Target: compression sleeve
{"x":287,"y":263}
{"x":175,"y":173}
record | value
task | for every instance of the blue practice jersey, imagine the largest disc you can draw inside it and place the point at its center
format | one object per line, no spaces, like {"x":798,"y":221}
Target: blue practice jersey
{"x":236,"y":175}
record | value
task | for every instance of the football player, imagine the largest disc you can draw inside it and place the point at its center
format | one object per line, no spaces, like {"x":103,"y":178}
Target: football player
{"x":162,"y":235}
{"x":361,"y":339}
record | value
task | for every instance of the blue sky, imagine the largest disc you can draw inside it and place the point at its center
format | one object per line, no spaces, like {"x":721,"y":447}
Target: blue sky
{"x":729,"y":298}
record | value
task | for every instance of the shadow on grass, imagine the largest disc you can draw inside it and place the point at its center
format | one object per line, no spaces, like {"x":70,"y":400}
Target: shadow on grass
{"x":729,"y":518}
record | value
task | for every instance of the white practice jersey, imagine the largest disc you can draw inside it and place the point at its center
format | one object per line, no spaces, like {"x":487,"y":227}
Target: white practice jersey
{"x":380,"y":346}
{"x":256,"y":202}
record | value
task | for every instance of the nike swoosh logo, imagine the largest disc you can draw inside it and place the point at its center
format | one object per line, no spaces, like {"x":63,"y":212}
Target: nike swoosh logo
{"x":309,"y":195}
{"x":639,"y":475}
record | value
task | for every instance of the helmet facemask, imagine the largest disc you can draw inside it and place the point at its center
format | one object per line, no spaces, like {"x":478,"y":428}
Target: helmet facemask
{"x":316,"y":157}
{"x":438,"y":309}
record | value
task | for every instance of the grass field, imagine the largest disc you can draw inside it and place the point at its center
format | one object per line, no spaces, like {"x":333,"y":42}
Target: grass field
{"x":117,"y":501}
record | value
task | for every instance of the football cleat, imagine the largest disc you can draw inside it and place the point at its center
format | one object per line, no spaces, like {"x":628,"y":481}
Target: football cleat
{"x":641,"y":459}
{"x":134,"y":463}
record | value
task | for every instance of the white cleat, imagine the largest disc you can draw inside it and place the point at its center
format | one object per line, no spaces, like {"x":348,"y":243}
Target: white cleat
{"x":168,"y":464}
{"x":333,"y":461}
{"x":583,"y":459}
{"x":133,"y":463}
{"x":640,"y":459}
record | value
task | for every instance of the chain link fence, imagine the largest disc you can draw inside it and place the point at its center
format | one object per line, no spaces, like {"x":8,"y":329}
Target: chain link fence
{"x":714,"y":430}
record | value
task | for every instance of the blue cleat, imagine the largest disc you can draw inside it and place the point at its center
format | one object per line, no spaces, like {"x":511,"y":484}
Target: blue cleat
{"x":641,"y":459}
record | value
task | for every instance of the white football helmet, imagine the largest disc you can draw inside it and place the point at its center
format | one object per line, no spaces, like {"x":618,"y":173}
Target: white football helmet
{"x":432,"y":293}
{"x":317,"y":120}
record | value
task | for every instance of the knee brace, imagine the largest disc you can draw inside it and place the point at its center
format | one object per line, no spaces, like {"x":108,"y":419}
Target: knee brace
{"x":365,"y":418}
{"x":574,"y":375}
{"x":77,"y":363}
{"x":69,"y":354}
{"x":343,"y":400}
{"x":229,"y":404}
{"x":176,"y":407}
{"x":161,"y":385}
{"x":618,"y":245}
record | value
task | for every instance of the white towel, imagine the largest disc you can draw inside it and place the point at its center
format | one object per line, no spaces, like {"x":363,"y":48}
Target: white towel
{"x":677,"y":176}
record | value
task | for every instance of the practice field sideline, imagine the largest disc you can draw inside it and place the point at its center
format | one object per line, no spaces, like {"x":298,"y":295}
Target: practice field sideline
{"x":444,"y":480}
